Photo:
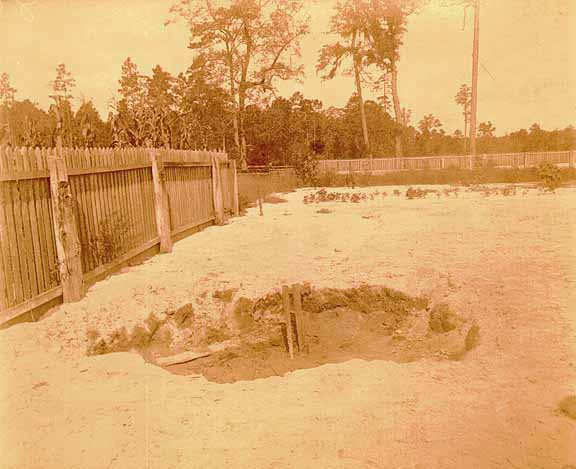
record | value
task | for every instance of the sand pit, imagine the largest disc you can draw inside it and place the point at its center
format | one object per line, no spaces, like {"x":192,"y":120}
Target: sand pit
{"x":337,"y":334}
{"x":368,"y":322}
{"x":504,"y":264}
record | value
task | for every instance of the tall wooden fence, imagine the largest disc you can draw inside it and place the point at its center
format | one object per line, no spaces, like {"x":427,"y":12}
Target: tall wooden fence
{"x":115,"y":201}
{"x":510,"y":160}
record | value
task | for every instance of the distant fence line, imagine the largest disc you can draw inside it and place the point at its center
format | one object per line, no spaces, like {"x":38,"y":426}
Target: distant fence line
{"x":70,"y":216}
{"x":510,"y":160}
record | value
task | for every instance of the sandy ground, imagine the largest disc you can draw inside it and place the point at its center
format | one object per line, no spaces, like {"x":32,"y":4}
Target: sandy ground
{"x":508,"y":262}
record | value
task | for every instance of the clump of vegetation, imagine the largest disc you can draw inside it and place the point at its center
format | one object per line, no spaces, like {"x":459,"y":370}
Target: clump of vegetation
{"x":418,"y":193}
{"x":323,"y":195}
{"x":550,"y":177}
{"x":472,"y":337}
{"x":243,"y":307}
{"x":443,"y":319}
{"x":142,"y":338}
{"x":183,"y":316}
{"x":225,"y":295}
{"x":112,"y":238}
{"x":509,"y":190}
{"x":568,"y":406}
{"x":306,"y":168}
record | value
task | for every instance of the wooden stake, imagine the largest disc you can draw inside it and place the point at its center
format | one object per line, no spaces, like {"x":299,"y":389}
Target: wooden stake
{"x":68,"y":246}
{"x":288,"y":318}
{"x":161,"y":202}
{"x":217,"y":191}
{"x":301,"y":325}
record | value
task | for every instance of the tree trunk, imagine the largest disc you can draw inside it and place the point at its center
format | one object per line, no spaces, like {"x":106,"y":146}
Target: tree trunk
{"x":475,"y":50}
{"x":465,"y":133}
{"x":359,"y":91}
{"x":241,"y":134}
{"x":397,"y":111}
{"x":236,"y":116}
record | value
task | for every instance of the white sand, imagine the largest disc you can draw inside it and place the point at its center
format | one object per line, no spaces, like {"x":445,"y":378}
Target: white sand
{"x":510,"y":262}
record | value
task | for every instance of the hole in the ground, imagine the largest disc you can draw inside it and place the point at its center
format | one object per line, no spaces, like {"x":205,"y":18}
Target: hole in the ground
{"x":369,"y":322}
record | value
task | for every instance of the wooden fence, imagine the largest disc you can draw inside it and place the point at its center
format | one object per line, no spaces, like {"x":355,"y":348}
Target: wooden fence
{"x":510,"y":160}
{"x":70,"y":216}
{"x":260,"y":182}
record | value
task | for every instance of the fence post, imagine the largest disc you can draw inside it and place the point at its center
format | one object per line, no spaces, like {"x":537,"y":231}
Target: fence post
{"x":217,"y":191}
{"x":572,"y":158}
{"x":161,"y":203}
{"x":442,"y":164}
{"x":235,"y":188}
{"x":68,"y":247}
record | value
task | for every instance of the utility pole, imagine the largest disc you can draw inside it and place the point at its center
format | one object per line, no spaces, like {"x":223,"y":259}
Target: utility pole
{"x":474,"y":104}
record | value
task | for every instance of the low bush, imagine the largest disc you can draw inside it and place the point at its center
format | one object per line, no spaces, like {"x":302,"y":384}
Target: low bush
{"x":550,"y":176}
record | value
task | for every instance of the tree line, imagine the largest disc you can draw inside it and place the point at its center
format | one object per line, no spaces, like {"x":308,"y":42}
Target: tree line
{"x":226,"y":97}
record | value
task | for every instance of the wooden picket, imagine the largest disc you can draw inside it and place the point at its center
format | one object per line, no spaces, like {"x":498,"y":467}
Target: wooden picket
{"x":113,"y":196}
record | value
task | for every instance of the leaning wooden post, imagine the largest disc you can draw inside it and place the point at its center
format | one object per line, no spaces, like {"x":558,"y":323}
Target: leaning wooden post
{"x":301,"y":324}
{"x":68,"y":247}
{"x":235,"y":188}
{"x":217,"y":191}
{"x":161,"y":203}
{"x":288,"y":317}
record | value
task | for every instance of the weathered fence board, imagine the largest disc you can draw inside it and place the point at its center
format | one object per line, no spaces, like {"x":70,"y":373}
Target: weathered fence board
{"x":113,"y":210}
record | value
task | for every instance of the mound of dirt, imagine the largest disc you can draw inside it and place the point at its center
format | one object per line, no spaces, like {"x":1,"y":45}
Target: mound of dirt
{"x":155,"y":336}
{"x":366,"y":298}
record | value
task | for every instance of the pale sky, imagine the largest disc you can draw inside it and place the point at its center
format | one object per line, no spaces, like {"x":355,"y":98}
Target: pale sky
{"x":527,"y":53}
